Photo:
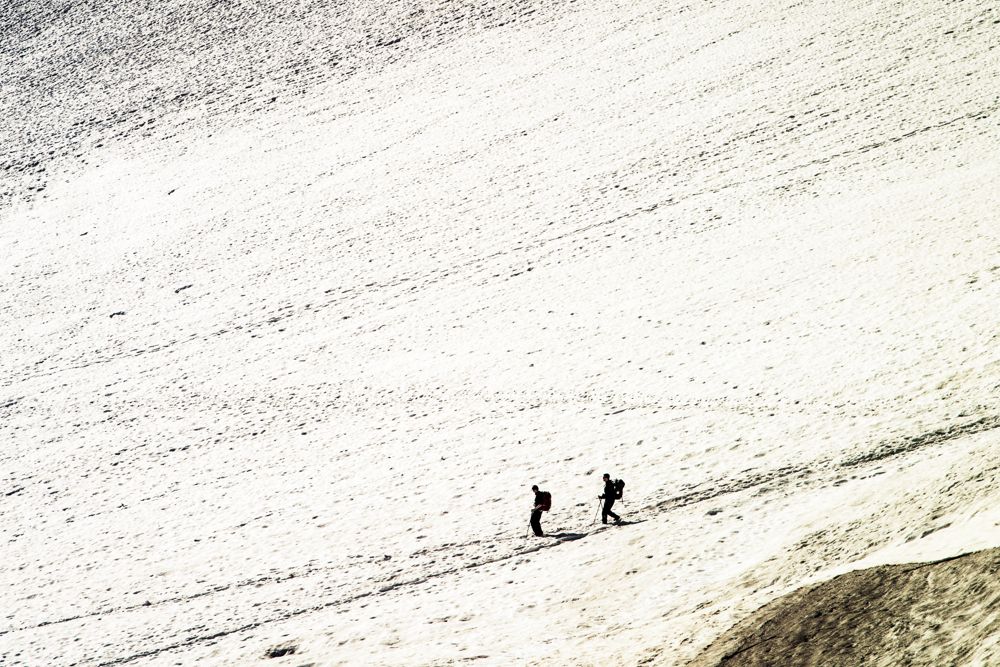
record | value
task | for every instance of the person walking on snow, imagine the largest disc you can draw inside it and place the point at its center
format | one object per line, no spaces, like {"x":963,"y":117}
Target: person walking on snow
{"x":609,"y":496}
{"x":543,"y":502}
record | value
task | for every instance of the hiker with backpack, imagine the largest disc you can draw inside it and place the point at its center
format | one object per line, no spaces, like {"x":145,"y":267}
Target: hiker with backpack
{"x":543,"y":503}
{"x":612,"y":492}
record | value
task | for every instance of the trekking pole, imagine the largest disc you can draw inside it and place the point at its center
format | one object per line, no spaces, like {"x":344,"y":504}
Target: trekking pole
{"x":597,"y":512}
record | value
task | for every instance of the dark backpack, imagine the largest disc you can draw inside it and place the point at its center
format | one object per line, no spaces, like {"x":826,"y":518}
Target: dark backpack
{"x":619,"y":487}
{"x":545,"y":500}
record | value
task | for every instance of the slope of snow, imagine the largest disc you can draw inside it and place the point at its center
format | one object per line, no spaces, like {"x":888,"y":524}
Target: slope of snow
{"x":299,"y":300}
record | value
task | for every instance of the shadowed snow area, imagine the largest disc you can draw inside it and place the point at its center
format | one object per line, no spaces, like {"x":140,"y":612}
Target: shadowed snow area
{"x":299,"y":299}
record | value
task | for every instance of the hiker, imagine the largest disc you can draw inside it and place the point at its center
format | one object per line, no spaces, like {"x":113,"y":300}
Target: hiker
{"x":543,"y":501}
{"x":609,"y":496}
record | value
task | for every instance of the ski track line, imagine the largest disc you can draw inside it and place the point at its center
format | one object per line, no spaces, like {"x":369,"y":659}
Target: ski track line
{"x":171,"y":600}
{"x":898,"y":446}
{"x":326,"y":605}
{"x":904,"y":445}
{"x":931,"y":438}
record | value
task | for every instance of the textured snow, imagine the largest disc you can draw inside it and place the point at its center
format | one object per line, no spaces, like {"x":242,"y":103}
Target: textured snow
{"x":299,"y":299}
